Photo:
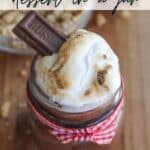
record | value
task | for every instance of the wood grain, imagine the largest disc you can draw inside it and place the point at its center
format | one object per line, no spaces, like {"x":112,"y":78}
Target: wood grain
{"x":130,"y":40}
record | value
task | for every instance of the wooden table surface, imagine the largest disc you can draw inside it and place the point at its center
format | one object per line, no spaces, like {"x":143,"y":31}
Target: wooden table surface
{"x":131,"y":41}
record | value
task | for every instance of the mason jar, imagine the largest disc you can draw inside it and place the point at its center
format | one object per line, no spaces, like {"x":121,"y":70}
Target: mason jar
{"x":42,"y":111}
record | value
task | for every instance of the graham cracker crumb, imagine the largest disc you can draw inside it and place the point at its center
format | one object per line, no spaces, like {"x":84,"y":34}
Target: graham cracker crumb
{"x":100,"y":20}
{"x":125,"y":15}
{"x":23,"y":72}
{"x":5,"y":108}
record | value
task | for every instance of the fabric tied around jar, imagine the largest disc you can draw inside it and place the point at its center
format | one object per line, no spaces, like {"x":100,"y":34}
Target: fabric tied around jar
{"x":101,"y":133}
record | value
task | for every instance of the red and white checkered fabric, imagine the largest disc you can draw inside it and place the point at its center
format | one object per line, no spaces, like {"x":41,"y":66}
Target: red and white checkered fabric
{"x":101,"y":133}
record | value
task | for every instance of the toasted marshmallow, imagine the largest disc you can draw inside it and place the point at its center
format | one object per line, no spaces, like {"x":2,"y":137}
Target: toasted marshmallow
{"x":84,"y":72}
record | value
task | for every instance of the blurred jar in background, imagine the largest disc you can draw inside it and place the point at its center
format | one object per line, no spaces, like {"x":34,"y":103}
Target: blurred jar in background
{"x":67,"y":21}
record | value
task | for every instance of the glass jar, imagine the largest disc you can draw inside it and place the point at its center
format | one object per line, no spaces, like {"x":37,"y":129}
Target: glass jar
{"x":52,"y":111}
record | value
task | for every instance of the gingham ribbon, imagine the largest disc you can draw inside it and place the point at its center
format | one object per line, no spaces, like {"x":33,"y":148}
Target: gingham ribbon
{"x":101,"y":133}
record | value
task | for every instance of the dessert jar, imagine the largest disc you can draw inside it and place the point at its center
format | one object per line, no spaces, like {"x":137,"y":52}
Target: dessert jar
{"x":54,"y":128}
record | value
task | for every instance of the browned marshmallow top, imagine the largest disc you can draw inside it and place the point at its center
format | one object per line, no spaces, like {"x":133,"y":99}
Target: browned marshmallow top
{"x":83,"y":74}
